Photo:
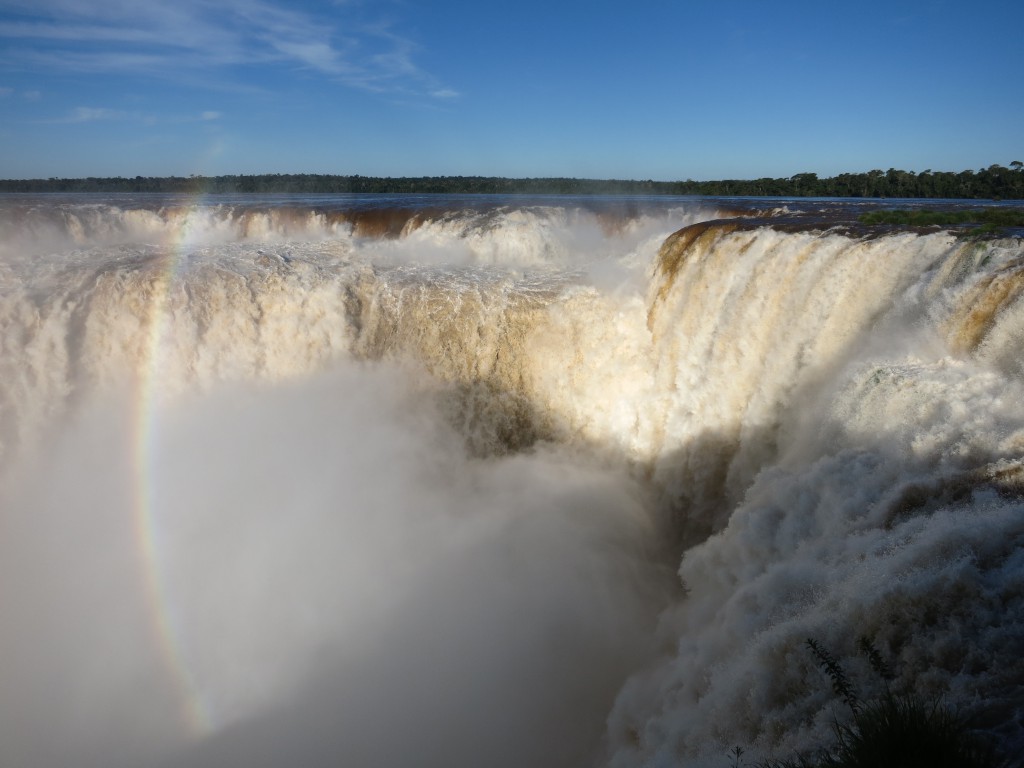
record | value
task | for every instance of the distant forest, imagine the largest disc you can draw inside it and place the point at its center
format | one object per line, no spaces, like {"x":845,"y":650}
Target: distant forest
{"x":993,"y":183}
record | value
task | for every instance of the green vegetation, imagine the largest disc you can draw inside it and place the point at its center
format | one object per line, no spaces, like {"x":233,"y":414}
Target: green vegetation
{"x":998,"y":217}
{"x":891,"y":731}
{"x":900,"y":732}
{"x":982,"y":221}
{"x":994,"y":182}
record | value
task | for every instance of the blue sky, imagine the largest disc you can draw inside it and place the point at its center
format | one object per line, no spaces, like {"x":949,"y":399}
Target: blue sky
{"x":699,"y":89}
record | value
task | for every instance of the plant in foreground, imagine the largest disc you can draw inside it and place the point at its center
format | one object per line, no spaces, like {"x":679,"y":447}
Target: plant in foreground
{"x":904,"y":732}
{"x":893,"y":731}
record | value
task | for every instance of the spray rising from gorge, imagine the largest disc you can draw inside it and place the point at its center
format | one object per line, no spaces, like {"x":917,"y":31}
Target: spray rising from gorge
{"x":450,"y":481}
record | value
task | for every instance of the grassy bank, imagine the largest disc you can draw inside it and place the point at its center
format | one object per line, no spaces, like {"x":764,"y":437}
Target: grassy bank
{"x":981,"y":220}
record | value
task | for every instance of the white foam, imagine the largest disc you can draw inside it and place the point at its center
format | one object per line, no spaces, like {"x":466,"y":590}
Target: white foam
{"x":378,"y":456}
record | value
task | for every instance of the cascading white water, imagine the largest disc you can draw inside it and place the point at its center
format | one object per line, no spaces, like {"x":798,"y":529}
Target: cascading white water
{"x":420,"y":498}
{"x":872,"y":478}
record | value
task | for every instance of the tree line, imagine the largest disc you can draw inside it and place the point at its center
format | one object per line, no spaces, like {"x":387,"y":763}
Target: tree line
{"x":993,"y":183}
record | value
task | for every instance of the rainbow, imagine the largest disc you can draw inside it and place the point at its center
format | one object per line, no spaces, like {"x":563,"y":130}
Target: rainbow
{"x":166,"y":625}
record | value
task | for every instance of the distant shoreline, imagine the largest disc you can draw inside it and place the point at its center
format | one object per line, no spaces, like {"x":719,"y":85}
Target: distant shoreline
{"x":993,"y":183}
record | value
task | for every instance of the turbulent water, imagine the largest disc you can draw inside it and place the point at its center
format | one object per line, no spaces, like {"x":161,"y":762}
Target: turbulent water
{"x":446,"y":481}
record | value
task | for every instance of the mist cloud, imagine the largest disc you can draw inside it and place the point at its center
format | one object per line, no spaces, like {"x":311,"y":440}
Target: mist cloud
{"x":344,"y":584}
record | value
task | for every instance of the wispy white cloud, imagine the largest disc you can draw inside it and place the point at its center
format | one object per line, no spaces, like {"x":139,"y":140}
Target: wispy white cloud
{"x":92,"y":114}
{"x":7,"y":92}
{"x":314,"y":54}
{"x":95,"y":62}
{"x":96,"y":114}
{"x":154,"y":37}
{"x":75,"y":32}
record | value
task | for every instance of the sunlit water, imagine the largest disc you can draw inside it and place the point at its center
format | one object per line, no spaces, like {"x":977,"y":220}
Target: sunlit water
{"x":473,"y":481}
